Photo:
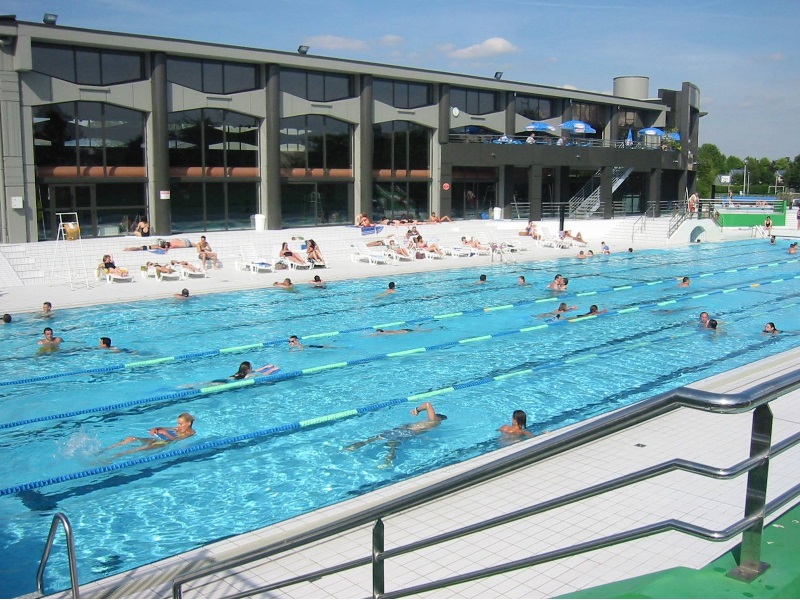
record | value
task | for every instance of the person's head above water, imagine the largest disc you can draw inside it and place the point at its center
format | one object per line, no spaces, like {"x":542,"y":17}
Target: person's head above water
{"x":520,"y":418}
{"x":244,"y":370}
{"x":105,"y":342}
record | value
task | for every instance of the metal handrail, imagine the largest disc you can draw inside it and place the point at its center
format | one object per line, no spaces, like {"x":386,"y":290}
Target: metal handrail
{"x":756,"y":398}
{"x":643,"y":218}
{"x":545,"y":140}
{"x":676,"y":221}
{"x":73,"y":567}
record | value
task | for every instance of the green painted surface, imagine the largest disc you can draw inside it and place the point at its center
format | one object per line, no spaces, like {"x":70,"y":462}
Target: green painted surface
{"x":738,"y":218}
{"x":780,"y":549}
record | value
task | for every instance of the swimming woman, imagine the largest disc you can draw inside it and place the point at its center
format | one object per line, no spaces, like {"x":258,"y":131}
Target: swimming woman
{"x":246,"y":371}
{"x":160,"y":436}
{"x":519,"y":423}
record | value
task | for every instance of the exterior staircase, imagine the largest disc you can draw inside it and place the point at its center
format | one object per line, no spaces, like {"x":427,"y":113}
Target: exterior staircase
{"x":587,"y":201}
{"x":18,"y":267}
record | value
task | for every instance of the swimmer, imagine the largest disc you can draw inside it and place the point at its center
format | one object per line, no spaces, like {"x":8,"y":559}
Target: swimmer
{"x":562,"y":308}
{"x":183,"y":295}
{"x":294,"y":344}
{"x":557,"y":285}
{"x":246,"y":371}
{"x":105,"y":344}
{"x":593,"y":311}
{"x":161,"y":436}
{"x":317,"y":282}
{"x":581,"y":254}
{"x":481,"y":280}
{"x":6,"y":319}
{"x":589,"y":254}
{"x":392,"y":289}
{"x":395,"y":437}
{"x":521,"y":280}
{"x":711,"y":324}
{"x":285,"y":284}
{"x":685,"y":282}
{"x":47,"y":309}
{"x":793,"y":248}
{"x":519,"y":423}
{"x":49,"y":338}
{"x":393,"y":331}
{"x":770,"y":328}
{"x":772,"y":240}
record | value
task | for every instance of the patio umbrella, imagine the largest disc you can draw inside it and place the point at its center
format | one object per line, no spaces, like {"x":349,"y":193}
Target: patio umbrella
{"x":673,"y":135}
{"x":629,"y":139}
{"x":578,"y":127}
{"x":540,"y":126}
{"x":651,"y":131}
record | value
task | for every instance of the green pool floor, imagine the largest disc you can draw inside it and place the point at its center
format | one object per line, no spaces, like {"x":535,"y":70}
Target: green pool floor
{"x":780,"y":549}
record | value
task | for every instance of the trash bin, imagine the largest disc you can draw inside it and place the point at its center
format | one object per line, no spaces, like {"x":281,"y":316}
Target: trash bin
{"x":497,"y":213}
{"x":260,"y":222}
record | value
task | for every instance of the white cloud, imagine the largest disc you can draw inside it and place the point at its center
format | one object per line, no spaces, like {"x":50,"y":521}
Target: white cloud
{"x":491,"y":47}
{"x":446,"y":47}
{"x":774,"y":57}
{"x":334,"y":42}
{"x":391,"y":39}
{"x":569,"y":86}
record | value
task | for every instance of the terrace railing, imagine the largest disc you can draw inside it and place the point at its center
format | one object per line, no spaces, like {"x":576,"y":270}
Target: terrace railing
{"x":762,"y":450}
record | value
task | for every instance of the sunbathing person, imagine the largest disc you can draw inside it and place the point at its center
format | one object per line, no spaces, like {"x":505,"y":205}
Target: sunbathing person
{"x":531,"y":231}
{"x":423,"y":245}
{"x":205,"y":252}
{"x":435,"y":219}
{"x":110,"y":267}
{"x":473,"y":243}
{"x":186,"y":265}
{"x":363,"y":221}
{"x":161,"y":436}
{"x":287,"y":253}
{"x":165,"y":245}
{"x":397,"y":249}
{"x":313,"y":252}
{"x":160,"y":268}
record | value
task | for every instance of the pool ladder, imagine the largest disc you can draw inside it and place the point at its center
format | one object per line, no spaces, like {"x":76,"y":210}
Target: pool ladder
{"x":73,"y":568}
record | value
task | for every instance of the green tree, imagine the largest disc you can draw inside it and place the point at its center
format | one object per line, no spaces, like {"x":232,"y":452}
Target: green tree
{"x":792,"y":178}
{"x":710,"y":163}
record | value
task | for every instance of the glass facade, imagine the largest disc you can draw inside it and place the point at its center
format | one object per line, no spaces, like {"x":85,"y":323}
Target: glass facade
{"x":87,"y":134}
{"x":315,"y":142}
{"x":535,"y":108}
{"x":213,"y":205}
{"x":87,"y":66}
{"x":315,"y":203}
{"x":212,"y":137}
{"x":400,"y":199}
{"x":591,"y":114}
{"x":402,"y":94}
{"x":212,"y":76}
{"x":317,"y":86}
{"x":401,"y":145}
{"x":474,"y":102}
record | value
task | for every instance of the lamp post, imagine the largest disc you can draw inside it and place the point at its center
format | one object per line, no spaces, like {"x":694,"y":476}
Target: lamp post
{"x":744,"y":179}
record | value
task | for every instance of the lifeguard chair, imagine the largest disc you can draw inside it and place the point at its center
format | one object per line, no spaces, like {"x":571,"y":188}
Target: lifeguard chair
{"x":65,"y":252}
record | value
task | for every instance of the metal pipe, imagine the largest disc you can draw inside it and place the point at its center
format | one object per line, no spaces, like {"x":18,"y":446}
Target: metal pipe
{"x":73,"y":567}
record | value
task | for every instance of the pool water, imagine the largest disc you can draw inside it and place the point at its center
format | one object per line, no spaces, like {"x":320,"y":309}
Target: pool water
{"x":477,"y":352}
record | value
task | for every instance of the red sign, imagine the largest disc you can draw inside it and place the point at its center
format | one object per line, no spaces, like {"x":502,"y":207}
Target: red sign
{"x":445,"y":186}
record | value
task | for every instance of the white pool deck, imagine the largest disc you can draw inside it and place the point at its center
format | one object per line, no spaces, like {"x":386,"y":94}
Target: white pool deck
{"x":719,"y":440}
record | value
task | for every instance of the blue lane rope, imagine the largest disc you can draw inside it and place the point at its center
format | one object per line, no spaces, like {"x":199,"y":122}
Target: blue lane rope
{"x":283,"y":376}
{"x":417,"y":320}
{"x":325,"y":419}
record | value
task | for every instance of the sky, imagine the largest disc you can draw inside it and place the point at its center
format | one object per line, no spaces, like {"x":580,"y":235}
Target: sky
{"x":743,"y":55}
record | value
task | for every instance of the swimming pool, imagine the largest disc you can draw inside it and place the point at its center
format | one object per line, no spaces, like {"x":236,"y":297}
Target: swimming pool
{"x":479,"y":355}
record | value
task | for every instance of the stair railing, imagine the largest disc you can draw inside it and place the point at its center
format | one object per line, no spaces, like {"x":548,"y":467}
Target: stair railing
{"x":73,"y":567}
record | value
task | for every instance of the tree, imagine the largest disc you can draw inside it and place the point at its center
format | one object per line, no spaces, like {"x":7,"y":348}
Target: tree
{"x":792,"y":177}
{"x":710,"y":163}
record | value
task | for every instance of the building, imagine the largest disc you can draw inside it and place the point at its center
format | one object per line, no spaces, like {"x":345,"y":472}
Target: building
{"x":200,"y":137}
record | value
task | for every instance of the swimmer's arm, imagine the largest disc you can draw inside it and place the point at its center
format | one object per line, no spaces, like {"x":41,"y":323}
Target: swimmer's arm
{"x":169,"y":433}
{"x":267,"y":369}
{"x":428,"y":408}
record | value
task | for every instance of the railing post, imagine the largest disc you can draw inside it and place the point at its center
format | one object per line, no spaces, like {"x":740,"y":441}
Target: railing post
{"x":378,"y":581}
{"x":750,"y":565}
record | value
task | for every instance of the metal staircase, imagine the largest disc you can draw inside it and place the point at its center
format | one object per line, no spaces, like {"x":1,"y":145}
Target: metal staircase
{"x":587,"y":201}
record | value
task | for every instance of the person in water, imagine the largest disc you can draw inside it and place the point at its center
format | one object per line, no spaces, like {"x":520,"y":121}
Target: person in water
{"x":160,"y":436}
{"x":518,"y":427}
{"x":246,"y":371}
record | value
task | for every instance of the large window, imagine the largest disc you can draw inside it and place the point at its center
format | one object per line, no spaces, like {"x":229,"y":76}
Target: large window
{"x":212,"y":137}
{"x":402,"y":94}
{"x":315,"y":203}
{"x":213,"y":205}
{"x":315,"y":142}
{"x":316,"y":86}
{"x":474,"y":102}
{"x":401,"y":145}
{"x":396,"y":199}
{"x":88,"y":134}
{"x":87,"y":66}
{"x":212,"y":76}
{"x":589,"y":113}
{"x":534,"y":108}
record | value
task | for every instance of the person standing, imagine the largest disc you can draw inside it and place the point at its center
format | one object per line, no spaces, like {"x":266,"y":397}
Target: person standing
{"x":692,"y":204}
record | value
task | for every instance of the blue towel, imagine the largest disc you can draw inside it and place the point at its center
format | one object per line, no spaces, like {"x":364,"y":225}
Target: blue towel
{"x":372,"y":229}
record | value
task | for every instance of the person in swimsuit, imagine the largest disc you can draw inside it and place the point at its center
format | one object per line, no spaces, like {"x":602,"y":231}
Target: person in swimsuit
{"x":246,"y":371}
{"x":557,"y":285}
{"x":49,"y":339}
{"x":110,"y":267}
{"x":518,"y":427}
{"x":6,"y":319}
{"x":143,"y":228}
{"x":47,"y":309}
{"x":392,"y":289}
{"x":165,"y":245}
{"x":593,"y":311}
{"x":205,"y":253}
{"x":292,"y":256}
{"x":313,"y":252}
{"x":481,"y":280}
{"x":770,"y":328}
{"x":562,"y":308}
{"x":395,"y":437}
{"x":160,"y":436}
{"x":685,"y":282}
{"x":294,"y":344}
{"x":105,"y":344}
{"x":183,"y":295}
{"x":285,"y":284}
{"x":317,"y":282}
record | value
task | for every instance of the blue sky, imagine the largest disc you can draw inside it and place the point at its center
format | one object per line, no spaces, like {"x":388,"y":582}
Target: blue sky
{"x":743,"y":55}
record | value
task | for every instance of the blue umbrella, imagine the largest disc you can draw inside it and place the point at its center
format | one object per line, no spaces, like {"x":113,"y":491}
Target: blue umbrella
{"x":629,"y":139}
{"x":673,"y":135}
{"x":540,"y":126}
{"x":651,"y":131}
{"x":578,"y":127}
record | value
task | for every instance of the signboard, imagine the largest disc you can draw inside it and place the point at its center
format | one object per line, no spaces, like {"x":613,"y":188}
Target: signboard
{"x":725,"y":179}
{"x":164,"y":194}
{"x":445,"y":186}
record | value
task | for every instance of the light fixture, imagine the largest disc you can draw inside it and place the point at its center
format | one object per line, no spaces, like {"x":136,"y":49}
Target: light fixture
{"x":302,"y":49}
{"x":49,"y":18}
{"x":498,"y":74}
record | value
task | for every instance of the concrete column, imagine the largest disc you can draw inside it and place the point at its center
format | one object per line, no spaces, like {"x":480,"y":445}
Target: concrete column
{"x":511,"y":113}
{"x":366,"y":141}
{"x":535,"y":192}
{"x":445,"y":174}
{"x":606,"y":194}
{"x":272,"y":170}
{"x":160,"y":207}
{"x":654,"y":191}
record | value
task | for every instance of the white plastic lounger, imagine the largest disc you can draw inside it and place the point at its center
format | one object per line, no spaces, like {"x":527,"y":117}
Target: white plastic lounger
{"x":249,"y":260}
{"x":363,"y":253}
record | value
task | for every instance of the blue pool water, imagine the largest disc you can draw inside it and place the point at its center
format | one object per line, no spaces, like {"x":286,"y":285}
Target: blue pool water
{"x":481,"y":351}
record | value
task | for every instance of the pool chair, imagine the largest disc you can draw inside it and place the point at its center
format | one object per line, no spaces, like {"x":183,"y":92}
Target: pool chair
{"x":459,"y":250}
{"x":190,"y":270}
{"x":102,"y":273}
{"x":150,"y":270}
{"x":290,"y":264}
{"x":374,"y":255}
{"x":548,"y":240}
{"x":487,"y":239}
{"x":249,"y":260}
